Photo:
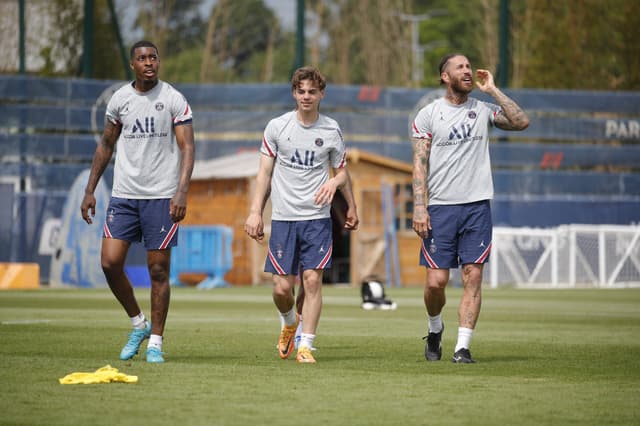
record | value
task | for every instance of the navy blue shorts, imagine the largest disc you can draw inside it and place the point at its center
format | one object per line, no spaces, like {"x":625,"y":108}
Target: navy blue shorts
{"x":460,"y":234}
{"x":136,"y":220}
{"x":294,"y":244}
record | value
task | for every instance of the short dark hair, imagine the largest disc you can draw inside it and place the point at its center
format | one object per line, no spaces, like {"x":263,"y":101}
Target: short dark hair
{"x":141,"y":43}
{"x":308,"y":73}
{"x":443,"y":64}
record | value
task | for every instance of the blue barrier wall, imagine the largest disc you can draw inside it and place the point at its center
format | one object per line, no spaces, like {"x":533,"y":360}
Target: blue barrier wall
{"x":578,"y":162}
{"x":203,"y":249}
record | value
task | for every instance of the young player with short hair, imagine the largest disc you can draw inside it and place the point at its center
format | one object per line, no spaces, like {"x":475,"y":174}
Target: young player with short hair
{"x":298,"y":150}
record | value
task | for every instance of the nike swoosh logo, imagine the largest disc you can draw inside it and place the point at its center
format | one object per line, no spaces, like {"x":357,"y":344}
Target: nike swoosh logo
{"x":287,"y":346}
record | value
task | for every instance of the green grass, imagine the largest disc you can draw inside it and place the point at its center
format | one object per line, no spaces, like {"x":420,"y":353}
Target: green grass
{"x":543,"y":357}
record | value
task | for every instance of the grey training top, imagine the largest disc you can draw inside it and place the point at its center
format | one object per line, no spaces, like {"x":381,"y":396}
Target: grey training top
{"x":303,"y":156}
{"x":147,"y":155}
{"x":459,"y":163}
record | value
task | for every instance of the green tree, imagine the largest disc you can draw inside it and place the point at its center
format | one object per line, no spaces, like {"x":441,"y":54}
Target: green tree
{"x":583,"y":44}
{"x":367,"y":41}
{"x":370,"y":41}
{"x":172,"y":25}
{"x":238,"y":30}
{"x":64,"y":47}
{"x":107,"y":63}
{"x":458,"y":27}
{"x":61,"y":54}
{"x":274,"y":65}
{"x":177,"y":29}
{"x":625,"y":69}
{"x":577,"y":44}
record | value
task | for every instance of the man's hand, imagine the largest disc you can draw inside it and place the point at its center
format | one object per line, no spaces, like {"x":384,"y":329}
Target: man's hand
{"x":421,"y":221}
{"x":88,"y":208}
{"x":254,"y":227}
{"x":325,"y":194}
{"x":178,"y":207}
{"x":351,"y":221}
{"x":484,"y":81}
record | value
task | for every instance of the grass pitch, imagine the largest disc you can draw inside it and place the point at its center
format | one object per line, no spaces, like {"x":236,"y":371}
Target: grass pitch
{"x":543,"y":357}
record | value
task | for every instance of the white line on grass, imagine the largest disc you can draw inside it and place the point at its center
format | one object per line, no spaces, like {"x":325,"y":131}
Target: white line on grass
{"x":20,"y":322}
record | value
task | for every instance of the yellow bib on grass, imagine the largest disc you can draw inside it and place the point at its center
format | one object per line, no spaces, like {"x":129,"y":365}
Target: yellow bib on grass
{"x":106,"y":374}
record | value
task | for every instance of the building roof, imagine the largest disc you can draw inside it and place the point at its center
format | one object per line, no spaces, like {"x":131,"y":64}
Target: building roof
{"x":246,"y":164}
{"x":242,"y":164}
{"x":355,"y":156}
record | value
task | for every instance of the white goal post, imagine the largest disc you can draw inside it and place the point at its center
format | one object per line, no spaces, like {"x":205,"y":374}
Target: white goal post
{"x":604,"y":256}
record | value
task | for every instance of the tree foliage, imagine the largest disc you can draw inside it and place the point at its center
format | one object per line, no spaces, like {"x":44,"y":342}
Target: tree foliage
{"x":238,"y":40}
{"x":237,"y":31}
{"x":61,"y":54}
{"x":582,"y":44}
{"x":107,"y":63}
{"x":578,"y":44}
{"x":366,"y":42}
{"x":55,"y":39}
{"x":172,"y":25}
{"x":456,"y":27}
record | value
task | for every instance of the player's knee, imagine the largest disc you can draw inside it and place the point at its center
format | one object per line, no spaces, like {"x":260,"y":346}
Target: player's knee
{"x":111,"y":268}
{"x":158,"y":273}
{"x":282,"y":290}
{"x":435,"y":286}
{"x":472,"y":275}
{"x":436,"y":281}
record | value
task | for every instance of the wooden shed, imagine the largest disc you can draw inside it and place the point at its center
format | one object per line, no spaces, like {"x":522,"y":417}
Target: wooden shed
{"x":221,"y":191}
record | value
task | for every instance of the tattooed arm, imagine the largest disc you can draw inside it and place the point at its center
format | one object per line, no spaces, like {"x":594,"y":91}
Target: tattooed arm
{"x":512,"y":117}
{"x":421,"y":219}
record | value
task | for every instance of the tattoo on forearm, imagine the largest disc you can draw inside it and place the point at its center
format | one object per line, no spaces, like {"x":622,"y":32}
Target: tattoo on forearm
{"x":512,"y":117}
{"x":421,"y":148}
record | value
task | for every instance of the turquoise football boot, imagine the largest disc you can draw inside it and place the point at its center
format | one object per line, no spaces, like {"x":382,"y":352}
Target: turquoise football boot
{"x":136,"y":337}
{"x":154,"y":355}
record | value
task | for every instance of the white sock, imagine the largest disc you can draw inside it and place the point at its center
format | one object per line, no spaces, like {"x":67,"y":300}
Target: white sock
{"x":289,"y":318}
{"x":155,"y":341}
{"x":139,"y":321}
{"x":307,"y":340}
{"x":299,"y":330}
{"x":464,"y":338}
{"x":435,"y":323}
{"x":298,"y":336}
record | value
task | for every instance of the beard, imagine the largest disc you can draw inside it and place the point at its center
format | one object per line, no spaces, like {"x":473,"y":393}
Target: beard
{"x":459,"y":87}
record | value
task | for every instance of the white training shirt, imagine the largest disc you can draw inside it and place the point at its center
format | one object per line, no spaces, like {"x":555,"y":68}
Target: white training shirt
{"x":459,"y":163}
{"x":303,"y":155}
{"x":147,"y":155}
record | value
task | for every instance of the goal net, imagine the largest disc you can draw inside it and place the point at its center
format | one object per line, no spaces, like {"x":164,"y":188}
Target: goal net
{"x":567,"y":256}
